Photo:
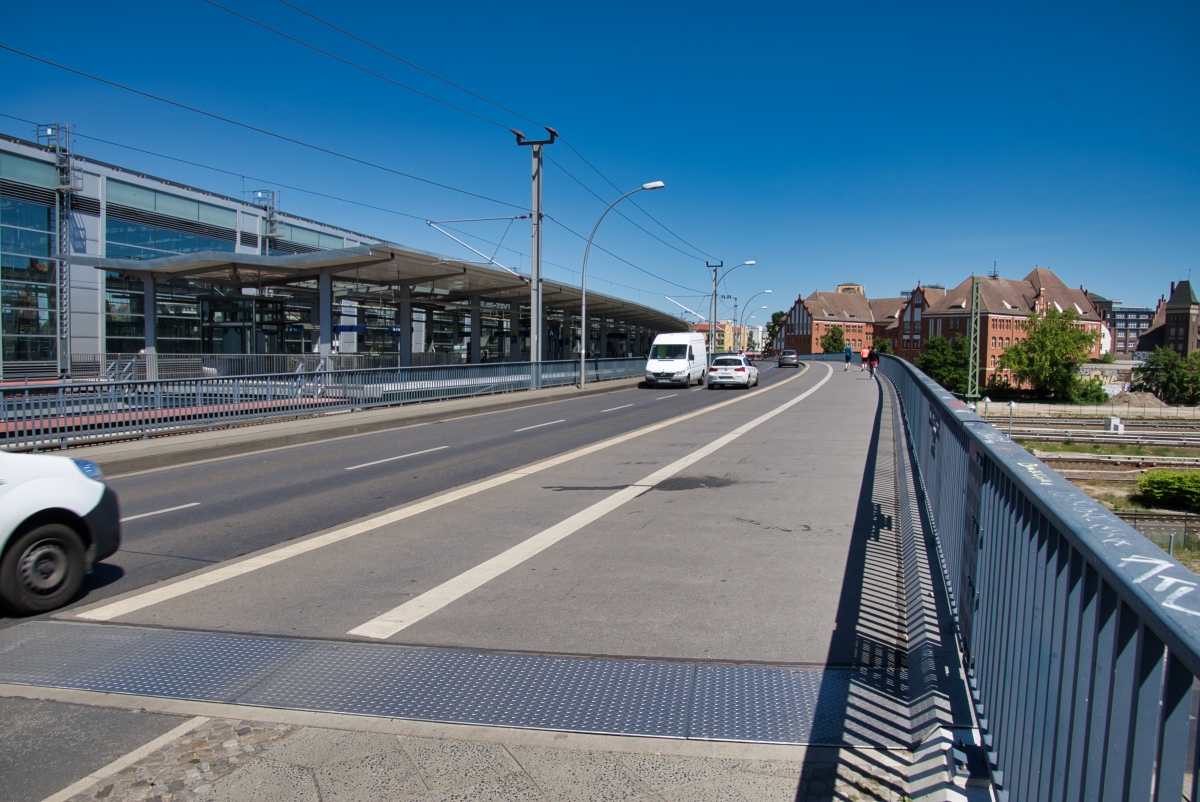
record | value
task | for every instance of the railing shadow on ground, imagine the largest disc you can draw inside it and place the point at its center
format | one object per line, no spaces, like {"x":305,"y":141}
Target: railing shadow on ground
{"x":857,"y":721}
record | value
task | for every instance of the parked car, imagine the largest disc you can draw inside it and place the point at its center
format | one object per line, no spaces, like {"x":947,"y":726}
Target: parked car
{"x":57,"y":519}
{"x":677,"y":358}
{"x":787,"y":358}
{"x":734,"y":371}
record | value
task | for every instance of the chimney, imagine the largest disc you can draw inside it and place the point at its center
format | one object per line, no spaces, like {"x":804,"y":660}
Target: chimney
{"x":1172,"y":288}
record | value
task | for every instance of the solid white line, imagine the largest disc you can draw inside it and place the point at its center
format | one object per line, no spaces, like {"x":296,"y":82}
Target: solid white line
{"x":160,"y":512}
{"x":126,"y":760}
{"x":540,"y":425}
{"x":661,"y":397}
{"x":431,"y":601}
{"x":393,"y":459}
{"x":181,"y":586}
{"x":613,"y":409}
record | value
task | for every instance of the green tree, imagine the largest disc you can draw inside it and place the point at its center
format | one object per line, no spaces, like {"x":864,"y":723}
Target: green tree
{"x":1046,"y":359}
{"x":751,"y":344}
{"x":1170,"y":377}
{"x":833,"y":340}
{"x":945,"y":361}
{"x":883,"y":345}
{"x":772,"y":331}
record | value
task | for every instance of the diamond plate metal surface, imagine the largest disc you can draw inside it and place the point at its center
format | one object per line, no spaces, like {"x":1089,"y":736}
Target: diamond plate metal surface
{"x":627,"y":697}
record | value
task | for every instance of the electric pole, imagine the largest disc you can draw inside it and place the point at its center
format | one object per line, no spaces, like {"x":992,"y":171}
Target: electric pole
{"x":712,"y":319}
{"x":973,"y":343}
{"x":535,"y":251}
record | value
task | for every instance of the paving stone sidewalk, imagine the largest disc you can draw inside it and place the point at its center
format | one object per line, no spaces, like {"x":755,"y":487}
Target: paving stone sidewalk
{"x":227,"y":760}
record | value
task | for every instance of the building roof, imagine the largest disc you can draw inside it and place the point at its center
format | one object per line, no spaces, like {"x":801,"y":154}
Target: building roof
{"x":885,"y":309}
{"x":378,"y":268}
{"x":839,"y":307}
{"x":1005,"y":296}
{"x":1182,"y":296}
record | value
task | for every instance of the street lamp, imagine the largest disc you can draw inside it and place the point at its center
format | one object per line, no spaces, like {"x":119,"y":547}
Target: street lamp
{"x":712,"y":321}
{"x":752,"y":297}
{"x":584,"y":331}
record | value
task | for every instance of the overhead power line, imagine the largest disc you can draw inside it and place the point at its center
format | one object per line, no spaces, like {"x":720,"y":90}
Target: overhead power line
{"x":359,"y":67}
{"x":259,"y":130}
{"x":639,"y":208}
{"x":618,"y":211}
{"x":475,"y":95}
{"x":356,"y":203}
{"x":405,"y":61}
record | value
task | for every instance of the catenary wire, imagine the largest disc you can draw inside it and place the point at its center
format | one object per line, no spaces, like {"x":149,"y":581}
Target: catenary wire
{"x":256,"y":129}
{"x":618,"y":211}
{"x":353,"y":202}
{"x":490,"y":102}
{"x":358,"y":67}
{"x":635,"y":203}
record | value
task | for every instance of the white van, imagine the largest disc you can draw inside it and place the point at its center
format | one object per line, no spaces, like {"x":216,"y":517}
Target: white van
{"x":677,"y":358}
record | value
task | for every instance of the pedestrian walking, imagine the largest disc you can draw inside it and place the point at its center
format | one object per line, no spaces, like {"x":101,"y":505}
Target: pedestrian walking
{"x":863,"y":358}
{"x":849,"y":356}
{"x":873,"y":361}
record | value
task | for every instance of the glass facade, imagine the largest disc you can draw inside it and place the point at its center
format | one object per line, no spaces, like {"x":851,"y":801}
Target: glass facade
{"x":28,"y":281}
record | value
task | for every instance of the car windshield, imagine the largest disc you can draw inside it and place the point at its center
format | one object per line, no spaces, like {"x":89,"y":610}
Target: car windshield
{"x":668,"y":351}
{"x":789,"y":353}
{"x":727,"y":362}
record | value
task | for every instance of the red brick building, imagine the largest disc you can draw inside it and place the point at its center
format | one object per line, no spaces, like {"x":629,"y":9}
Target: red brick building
{"x":1005,"y":306}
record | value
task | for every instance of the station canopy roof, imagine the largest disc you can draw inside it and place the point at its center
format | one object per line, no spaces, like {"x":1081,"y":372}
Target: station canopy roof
{"x":377,"y":270}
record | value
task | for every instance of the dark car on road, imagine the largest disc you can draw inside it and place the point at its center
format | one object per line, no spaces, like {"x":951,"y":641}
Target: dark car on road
{"x":788,"y":359}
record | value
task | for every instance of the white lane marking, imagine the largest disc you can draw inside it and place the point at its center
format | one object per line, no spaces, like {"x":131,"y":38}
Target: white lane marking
{"x":160,"y":512}
{"x":126,"y":760}
{"x":661,"y":397}
{"x":429,"y":602}
{"x":393,"y":459}
{"x":172,"y":589}
{"x":694,"y":389}
{"x":614,"y":409}
{"x":540,"y":425}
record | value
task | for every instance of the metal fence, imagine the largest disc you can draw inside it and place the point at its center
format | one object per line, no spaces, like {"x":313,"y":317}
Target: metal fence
{"x":134,"y":367}
{"x":45,"y":416}
{"x":1081,"y":637}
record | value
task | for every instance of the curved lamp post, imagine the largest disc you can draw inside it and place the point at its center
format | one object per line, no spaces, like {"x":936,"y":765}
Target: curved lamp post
{"x":585,"y":331}
{"x":747,"y":310}
{"x":712,"y":321}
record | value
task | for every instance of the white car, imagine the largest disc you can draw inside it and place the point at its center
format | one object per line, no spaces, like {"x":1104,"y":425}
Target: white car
{"x":735,"y":371}
{"x":57,"y":519}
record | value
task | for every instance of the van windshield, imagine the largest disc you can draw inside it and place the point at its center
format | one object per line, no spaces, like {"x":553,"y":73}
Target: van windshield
{"x":668,"y":351}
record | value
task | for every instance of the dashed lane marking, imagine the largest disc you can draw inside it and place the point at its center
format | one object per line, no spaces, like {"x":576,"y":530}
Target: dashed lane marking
{"x":614,"y":409}
{"x":160,"y":512}
{"x":540,"y":425}
{"x":661,"y":397}
{"x":393,"y":459}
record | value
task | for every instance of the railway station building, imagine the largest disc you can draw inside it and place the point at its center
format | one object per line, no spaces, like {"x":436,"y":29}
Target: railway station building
{"x":154,"y":266}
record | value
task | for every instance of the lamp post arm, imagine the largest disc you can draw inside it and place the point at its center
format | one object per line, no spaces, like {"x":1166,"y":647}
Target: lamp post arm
{"x":584,"y":330}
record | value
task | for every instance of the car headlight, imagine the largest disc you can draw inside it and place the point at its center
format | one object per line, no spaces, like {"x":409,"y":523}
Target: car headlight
{"x":88,"y":468}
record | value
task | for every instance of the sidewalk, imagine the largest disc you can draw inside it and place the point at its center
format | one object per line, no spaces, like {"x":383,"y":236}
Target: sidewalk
{"x":232,"y":753}
{"x":160,"y":451}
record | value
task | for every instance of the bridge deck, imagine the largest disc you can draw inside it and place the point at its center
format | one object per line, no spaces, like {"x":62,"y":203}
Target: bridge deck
{"x":735,"y":575}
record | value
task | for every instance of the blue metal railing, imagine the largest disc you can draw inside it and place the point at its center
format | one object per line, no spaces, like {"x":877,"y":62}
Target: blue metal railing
{"x":58,"y":415}
{"x":1081,"y":637}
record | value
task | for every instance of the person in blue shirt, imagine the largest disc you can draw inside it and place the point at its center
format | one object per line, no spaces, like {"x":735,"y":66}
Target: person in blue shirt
{"x":849,"y":356}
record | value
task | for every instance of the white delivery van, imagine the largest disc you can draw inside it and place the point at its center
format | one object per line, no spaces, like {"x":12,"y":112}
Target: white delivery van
{"x":677,"y":358}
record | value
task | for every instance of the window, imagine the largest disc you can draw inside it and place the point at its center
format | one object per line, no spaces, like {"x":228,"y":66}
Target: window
{"x":28,"y":291}
{"x":668,"y":351}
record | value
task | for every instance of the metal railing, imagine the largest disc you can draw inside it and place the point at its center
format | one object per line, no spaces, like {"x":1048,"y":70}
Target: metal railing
{"x":48,"y":416}
{"x":130,"y":367}
{"x":1081,"y":637}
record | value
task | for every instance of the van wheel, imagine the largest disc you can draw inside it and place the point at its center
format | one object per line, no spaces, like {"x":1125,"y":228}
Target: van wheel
{"x":42,"y":569}
{"x":687,"y":382}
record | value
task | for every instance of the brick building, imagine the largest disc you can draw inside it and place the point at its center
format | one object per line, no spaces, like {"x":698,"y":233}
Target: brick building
{"x":1005,"y":306}
{"x":1182,"y":319}
{"x":907,"y":338}
{"x":811,"y":318}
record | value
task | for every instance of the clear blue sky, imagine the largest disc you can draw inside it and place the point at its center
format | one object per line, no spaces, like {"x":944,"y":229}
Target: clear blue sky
{"x":882,"y":143}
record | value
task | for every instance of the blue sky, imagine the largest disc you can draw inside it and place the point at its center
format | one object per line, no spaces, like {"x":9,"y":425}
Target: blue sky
{"x":882,"y":143}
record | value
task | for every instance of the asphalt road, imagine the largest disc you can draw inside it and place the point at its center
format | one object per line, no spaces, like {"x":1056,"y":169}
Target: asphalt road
{"x":191,"y":516}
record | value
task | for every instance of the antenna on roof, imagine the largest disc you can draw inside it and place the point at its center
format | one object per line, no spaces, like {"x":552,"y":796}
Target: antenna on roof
{"x":995,"y":272}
